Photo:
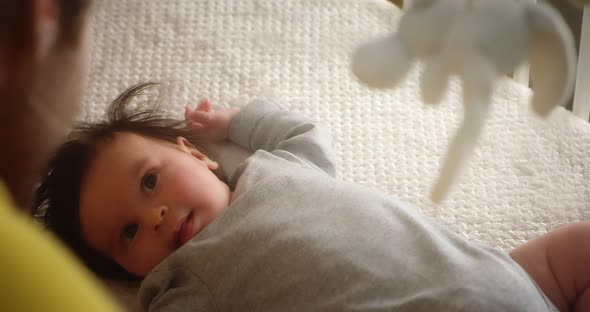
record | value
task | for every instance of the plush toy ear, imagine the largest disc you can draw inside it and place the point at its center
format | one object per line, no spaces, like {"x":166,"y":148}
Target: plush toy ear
{"x":552,"y":58}
{"x":382,"y":63}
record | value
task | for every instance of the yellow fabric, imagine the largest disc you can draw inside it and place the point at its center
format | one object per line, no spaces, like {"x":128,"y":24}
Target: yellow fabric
{"x":37,"y":273}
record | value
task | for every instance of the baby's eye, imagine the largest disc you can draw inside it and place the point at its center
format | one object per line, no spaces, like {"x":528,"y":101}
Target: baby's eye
{"x":129,"y":232}
{"x":148,"y":182}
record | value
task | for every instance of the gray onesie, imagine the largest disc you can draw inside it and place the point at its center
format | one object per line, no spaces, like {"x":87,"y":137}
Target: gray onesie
{"x":296,"y":239}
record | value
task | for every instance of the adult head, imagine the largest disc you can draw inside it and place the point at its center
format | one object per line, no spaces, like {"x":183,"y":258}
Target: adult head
{"x":43,"y":69}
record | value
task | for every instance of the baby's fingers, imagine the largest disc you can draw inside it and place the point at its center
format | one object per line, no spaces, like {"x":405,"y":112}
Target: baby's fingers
{"x":204,"y":106}
{"x":187,"y":113}
{"x":199,"y":116}
{"x":195,"y":125}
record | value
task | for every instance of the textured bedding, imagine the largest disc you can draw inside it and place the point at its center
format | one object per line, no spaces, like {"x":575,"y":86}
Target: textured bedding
{"x":528,"y":175}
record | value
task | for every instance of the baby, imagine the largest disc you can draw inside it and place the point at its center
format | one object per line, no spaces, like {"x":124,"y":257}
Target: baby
{"x":136,"y":196}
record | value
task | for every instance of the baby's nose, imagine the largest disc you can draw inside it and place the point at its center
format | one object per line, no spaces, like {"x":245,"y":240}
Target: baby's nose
{"x":157,"y":216}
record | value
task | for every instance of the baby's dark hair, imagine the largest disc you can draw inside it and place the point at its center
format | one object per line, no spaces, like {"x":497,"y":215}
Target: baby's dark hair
{"x":56,"y":202}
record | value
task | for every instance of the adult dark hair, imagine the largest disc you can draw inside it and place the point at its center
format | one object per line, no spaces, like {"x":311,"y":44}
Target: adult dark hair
{"x":56,"y":201}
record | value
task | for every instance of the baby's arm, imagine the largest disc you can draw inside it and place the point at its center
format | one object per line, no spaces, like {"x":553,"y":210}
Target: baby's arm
{"x":263,"y":125}
{"x":178,"y":289}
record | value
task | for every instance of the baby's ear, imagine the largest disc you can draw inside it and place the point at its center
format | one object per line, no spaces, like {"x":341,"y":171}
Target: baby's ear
{"x":189,"y":148}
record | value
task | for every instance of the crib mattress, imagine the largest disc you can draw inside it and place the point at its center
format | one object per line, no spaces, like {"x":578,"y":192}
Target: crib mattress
{"x":528,"y":175}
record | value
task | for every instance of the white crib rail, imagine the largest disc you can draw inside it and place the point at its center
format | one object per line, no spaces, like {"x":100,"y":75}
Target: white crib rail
{"x":581,"y":106}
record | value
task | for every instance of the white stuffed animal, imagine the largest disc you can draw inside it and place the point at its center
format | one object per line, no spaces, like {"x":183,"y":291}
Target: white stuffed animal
{"x":478,"y":41}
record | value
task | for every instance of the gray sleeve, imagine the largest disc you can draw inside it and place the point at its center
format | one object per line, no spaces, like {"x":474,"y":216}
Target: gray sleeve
{"x":175,"y":291}
{"x":264,"y":125}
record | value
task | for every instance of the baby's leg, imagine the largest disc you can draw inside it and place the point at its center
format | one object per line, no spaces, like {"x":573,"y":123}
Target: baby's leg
{"x":559,"y":262}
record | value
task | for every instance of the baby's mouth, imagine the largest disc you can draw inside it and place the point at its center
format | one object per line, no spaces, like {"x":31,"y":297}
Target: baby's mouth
{"x":184,"y":231}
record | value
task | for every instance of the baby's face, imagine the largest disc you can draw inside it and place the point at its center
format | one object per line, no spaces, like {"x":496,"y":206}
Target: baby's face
{"x":143,"y":198}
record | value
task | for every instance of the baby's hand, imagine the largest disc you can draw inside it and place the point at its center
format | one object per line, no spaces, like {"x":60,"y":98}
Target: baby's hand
{"x":213,"y":124}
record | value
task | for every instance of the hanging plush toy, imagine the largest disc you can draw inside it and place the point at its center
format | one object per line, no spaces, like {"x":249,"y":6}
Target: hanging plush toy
{"x":478,"y":41}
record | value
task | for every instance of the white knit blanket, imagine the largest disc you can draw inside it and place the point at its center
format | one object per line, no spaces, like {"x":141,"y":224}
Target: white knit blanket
{"x":528,"y":175}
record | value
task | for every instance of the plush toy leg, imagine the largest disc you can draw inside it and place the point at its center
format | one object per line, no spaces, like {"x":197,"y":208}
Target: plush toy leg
{"x":478,"y":78}
{"x":553,"y":58}
{"x":434,"y":80}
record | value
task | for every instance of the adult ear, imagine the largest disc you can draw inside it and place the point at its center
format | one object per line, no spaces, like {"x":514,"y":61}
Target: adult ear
{"x":47,"y":26}
{"x":188,"y":147}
